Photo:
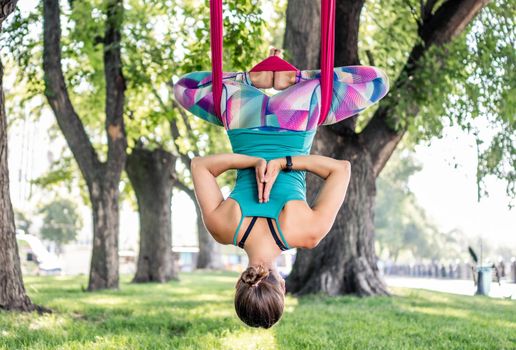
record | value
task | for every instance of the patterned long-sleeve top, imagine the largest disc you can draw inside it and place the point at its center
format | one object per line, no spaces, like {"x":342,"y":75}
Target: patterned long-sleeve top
{"x":243,"y":106}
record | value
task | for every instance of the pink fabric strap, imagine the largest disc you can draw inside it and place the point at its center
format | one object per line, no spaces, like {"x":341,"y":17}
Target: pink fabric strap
{"x":216,"y":34}
{"x":327,"y":54}
{"x":273,"y":63}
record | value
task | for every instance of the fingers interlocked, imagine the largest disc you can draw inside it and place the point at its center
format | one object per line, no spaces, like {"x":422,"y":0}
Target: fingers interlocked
{"x":266,"y":174}
{"x":260,"y":178}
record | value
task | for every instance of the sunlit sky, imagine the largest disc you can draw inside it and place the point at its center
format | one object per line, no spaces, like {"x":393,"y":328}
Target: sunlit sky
{"x":448,"y":194}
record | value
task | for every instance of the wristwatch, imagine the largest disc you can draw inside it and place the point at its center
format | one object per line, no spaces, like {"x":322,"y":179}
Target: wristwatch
{"x":289,"y":164}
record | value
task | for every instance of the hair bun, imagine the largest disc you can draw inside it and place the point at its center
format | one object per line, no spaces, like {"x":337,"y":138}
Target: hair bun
{"x":254,"y":274}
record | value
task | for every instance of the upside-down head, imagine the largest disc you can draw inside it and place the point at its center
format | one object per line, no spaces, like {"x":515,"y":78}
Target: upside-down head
{"x":260,"y":297}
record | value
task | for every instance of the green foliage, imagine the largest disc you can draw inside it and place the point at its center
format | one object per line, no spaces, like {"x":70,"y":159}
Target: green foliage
{"x":164,"y":50}
{"x":401,"y":224}
{"x":402,"y":228}
{"x":198,"y":313}
{"x":83,"y":66}
{"x":468,"y":82}
{"x":60,"y":222}
{"x":25,"y":48}
{"x":161,"y":40}
{"x":62,"y":170}
{"x":22,"y":220}
{"x":64,"y":173}
{"x":388,"y":31}
{"x":164,"y":40}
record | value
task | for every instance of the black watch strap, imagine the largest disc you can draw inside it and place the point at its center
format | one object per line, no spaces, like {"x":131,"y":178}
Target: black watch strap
{"x":289,"y":163}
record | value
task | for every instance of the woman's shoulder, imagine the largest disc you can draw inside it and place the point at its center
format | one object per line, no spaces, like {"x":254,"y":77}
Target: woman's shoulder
{"x":296,"y":223}
{"x":223,"y":221}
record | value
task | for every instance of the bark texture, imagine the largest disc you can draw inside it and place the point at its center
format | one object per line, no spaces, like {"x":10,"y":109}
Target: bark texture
{"x":152,"y":177}
{"x":12,"y":290}
{"x":302,"y":31}
{"x":345,"y":261}
{"x":102,"y":178}
{"x":209,"y":256}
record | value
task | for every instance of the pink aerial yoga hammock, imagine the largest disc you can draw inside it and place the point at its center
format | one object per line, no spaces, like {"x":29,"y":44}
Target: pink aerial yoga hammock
{"x":283,"y":124}
{"x":275,"y":63}
{"x":318,"y":97}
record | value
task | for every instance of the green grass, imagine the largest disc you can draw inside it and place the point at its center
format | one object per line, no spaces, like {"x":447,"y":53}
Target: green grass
{"x":198,"y":313}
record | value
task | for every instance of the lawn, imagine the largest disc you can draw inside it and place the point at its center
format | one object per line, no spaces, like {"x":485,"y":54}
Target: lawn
{"x":197,"y":313}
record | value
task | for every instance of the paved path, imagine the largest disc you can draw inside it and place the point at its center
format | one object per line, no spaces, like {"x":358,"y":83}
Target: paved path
{"x":464,"y":287}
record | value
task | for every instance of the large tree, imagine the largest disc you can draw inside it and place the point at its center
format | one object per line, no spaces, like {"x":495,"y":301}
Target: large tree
{"x":12,"y":290}
{"x":152,"y":176}
{"x":245,"y":28}
{"x":436,"y":64}
{"x":154,"y":52}
{"x":102,"y":177}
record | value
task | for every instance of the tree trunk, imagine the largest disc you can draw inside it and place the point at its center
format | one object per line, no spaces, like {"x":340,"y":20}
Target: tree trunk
{"x":302,"y":32}
{"x":12,"y":290}
{"x":345,"y":261}
{"x":104,"y":257}
{"x":102,"y":178}
{"x":209,"y":256}
{"x":151,"y":175}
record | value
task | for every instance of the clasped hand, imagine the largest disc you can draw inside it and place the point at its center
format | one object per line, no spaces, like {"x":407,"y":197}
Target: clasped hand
{"x":266,"y":174}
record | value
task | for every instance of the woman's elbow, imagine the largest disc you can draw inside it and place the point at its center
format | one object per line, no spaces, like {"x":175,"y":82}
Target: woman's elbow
{"x":309,"y":243}
{"x":342,"y":167}
{"x":312,"y":240}
{"x":195,"y":163}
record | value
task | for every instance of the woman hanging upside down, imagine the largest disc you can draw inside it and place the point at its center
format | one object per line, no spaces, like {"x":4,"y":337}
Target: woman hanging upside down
{"x":271,"y":137}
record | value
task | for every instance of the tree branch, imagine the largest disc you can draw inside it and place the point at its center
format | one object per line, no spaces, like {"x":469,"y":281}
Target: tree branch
{"x":347,"y":25}
{"x":427,"y":8}
{"x":174,"y":130}
{"x":182,"y":187}
{"x":439,"y":28}
{"x":115,"y":88}
{"x":370,"y":57}
{"x":6,"y":8}
{"x":184,"y":117}
{"x":57,"y":94}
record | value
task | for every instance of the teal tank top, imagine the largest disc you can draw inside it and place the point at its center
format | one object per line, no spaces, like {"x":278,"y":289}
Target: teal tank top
{"x":268,"y":143}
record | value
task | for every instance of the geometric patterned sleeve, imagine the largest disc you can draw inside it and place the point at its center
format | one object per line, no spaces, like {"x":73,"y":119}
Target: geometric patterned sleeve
{"x":193,"y":92}
{"x":355,"y":88}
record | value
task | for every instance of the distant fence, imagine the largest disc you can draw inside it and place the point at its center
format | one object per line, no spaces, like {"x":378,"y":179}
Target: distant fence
{"x":452,"y":271}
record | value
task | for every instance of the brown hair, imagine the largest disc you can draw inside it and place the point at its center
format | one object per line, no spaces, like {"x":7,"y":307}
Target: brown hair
{"x":259,"y":298}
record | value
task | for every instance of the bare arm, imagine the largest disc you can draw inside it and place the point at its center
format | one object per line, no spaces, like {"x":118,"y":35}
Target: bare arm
{"x":206,"y":169}
{"x":336,"y":175}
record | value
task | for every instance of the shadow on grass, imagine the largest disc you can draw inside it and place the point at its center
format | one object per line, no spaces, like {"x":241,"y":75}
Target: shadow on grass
{"x":197,"y":312}
{"x":194,"y":309}
{"x":412,"y":320}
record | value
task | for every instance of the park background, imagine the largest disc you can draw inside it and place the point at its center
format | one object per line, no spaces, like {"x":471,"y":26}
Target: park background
{"x":448,"y":186}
